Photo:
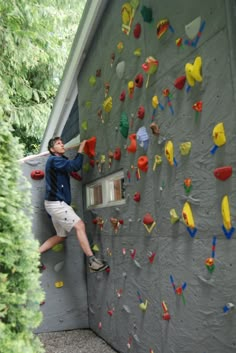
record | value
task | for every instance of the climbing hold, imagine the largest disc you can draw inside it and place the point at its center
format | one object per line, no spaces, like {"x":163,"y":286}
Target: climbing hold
{"x":162,"y":27}
{"x":99,"y":113}
{"x":120,"y":69}
{"x":37,"y":174}
{"x":141,"y":112}
{"x":197,"y":106}
{"x":148,"y":222}
{"x":192,"y":28}
{"x":155,"y":129}
{"x":157,"y":161}
{"x":132,"y":253}
{"x":225,"y":212}
{"x":143,"y":306}
{"x":59,"y":284}
{"x":124,"y":125}
{"x":180,"y":82}
{"x":178,"y":290}
{"x":194,"y":71}
{"x":138,"y":52}
{"x":84,"y":125}
{"x":155,"y":105}
{"x":169,"y":153}
{"x":143,"y":138}
{"x":98,"y":73}
{"x":131,"y":88}
{"x":194,"y":31}
{"x":174,"y":218}
{"x":127,"y":15}
{"x":143,"y":163}
{"x":117,"y":154}
{"x":58,"y":247}
{"x":99,"y":221}
{"x":137,"y":30}
{"x":59,"y":266}
{"x":92,"y":81}
{"x":219,"y":137}
{"x":90,"y":146}
{"x":138,"y":81}
{"x":187,"y":185}
{"x":151,"y":256}
{"x":76,"y":176}
{"x":107,"y":104}
{"x":137,"y":197}
{"x":223,"y":173}
{"x":116,"y":223}
{"x":185,"y":148}
{"x":228,"y":308}
{"x":179,"y":42}
{"x":166,"y":315}
{"x":146,"y":13}
{"x":120,"y":47}
{"x":150,"y":67}
{"x":132,"y":148}
{"x":189,"y":220}
{"x":122,"y":96}
{"x":88,"y":104}
{"x":113,"y":55}
{"x":166,"y":93}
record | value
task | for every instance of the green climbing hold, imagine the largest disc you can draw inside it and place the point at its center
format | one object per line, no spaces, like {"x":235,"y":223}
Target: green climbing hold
{"x":58,"y":247}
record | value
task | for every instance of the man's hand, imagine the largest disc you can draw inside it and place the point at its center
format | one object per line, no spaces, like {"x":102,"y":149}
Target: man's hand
{"x":81,"y":146}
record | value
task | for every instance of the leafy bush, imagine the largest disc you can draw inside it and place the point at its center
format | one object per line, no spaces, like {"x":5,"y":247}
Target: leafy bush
{"x":20,"y":292}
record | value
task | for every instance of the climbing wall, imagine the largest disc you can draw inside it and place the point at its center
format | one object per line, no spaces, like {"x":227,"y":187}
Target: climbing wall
{"x":64,"y":273}
{"x":159,"y":83}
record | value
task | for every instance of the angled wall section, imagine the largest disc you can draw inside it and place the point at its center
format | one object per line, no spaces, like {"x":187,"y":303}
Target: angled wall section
{"x":198,"y":321}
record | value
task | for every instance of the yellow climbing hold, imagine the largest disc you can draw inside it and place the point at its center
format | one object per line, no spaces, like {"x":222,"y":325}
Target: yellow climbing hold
{"x":185,"y":148}
{"x":173,"y":216}
{"x":107,"y":104}
{"x":59,"y":284}
{"x":138,"y":52}
{"x":194,"y":71}
{"x":58,"y":247}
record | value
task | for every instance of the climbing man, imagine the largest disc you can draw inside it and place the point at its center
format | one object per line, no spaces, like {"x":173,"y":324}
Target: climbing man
{"x":58,"y":199}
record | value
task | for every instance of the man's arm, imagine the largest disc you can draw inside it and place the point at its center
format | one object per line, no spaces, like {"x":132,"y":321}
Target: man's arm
{"x":71,"y":165}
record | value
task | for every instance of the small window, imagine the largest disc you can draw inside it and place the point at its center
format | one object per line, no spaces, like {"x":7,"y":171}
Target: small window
{"x":107,"y":191}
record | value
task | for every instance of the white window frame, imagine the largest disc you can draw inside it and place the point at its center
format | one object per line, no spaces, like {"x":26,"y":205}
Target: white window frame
{"x":106,"y":191}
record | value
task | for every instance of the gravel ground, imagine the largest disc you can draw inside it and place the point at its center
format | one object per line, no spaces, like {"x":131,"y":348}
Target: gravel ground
{"x":76,"y":341}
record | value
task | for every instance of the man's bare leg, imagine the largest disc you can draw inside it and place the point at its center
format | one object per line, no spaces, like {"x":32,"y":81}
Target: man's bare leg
{"x":95,"y":265}
{"x":48,"y":244}
{"x":82,"y":237}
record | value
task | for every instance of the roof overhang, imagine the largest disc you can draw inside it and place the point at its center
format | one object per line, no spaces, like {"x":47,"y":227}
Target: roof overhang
{"x":68,"y":90}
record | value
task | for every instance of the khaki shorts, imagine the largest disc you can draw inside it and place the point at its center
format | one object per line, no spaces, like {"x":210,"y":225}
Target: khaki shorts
{"x":63,"y":216}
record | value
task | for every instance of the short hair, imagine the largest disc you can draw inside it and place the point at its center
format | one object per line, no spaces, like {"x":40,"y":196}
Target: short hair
{"x":52,"y":142}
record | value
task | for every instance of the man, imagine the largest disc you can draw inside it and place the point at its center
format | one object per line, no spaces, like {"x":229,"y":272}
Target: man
{"x":58,"y":199}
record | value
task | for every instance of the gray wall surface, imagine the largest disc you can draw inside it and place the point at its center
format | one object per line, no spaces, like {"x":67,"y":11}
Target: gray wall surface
{"x":200,"y":324}
{"x":66,"y":307}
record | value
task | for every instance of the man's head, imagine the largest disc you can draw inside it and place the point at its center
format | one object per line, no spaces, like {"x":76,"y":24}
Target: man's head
{"x":56,"y":146}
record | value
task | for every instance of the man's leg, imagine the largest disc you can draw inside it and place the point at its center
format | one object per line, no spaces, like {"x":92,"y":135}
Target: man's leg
{"x":48,"y":244}
{"x":95,"y":265}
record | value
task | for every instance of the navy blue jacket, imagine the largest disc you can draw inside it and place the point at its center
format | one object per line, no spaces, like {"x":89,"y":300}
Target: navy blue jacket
{"x":58,"y":177}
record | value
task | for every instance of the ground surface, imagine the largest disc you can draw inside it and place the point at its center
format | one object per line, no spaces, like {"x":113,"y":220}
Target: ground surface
{"x":76,"y":341}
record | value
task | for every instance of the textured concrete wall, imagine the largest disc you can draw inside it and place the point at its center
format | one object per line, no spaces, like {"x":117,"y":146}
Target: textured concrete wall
{"x":198,"y":324}
{"x":66,"y":307}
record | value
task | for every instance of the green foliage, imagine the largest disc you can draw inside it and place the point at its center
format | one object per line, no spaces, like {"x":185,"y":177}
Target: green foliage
{"x":20,"y":292}
{"x":35,"y":39}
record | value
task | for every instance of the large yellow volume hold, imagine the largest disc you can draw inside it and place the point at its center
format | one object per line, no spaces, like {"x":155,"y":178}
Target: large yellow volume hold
{"x":225,"y":211}
{"x":188,"y":216}
{"x":169,"y":152}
